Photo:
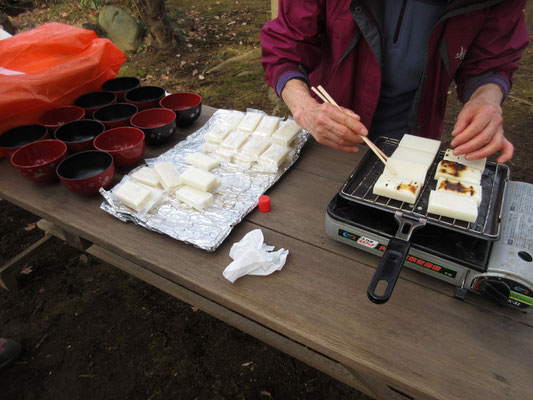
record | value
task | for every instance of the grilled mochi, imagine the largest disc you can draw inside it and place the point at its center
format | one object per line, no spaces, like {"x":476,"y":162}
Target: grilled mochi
{"x":476,"y":164}
{"x":397,"y":188}
{"x":458,"y":172}
{"x":407,"y":170}
{"x":452,"y":205}
{"x":425,"y":159}
{"x":461,"y":189}
{"x":420,"y":144}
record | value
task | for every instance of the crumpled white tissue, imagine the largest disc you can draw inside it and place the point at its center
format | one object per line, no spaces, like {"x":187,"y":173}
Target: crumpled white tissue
{"x":251,"y":256}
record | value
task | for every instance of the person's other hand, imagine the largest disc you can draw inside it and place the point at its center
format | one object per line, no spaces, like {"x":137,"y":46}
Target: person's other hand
{"x":478,"y":132}
{"x":330,"y":126}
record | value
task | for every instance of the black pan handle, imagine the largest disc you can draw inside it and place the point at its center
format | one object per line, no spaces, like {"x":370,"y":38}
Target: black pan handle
{"x":388,"y":269}
{"x":392,"y":261}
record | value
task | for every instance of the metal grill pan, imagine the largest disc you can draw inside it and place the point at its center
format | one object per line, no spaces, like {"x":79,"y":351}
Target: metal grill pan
{"x":358,"y":188}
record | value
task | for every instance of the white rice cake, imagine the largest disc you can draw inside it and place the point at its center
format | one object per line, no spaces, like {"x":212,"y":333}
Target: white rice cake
{"x":195,"y":198}
{"x":233,"y":119}
{"x":476,"y":164}
{"x":202,"y":161}
{"x":132,"y":194}
{"x":397,"y":188}
{"x":147,"y":176}
{"x":198,"y":179}
{"x":408,"y":170}
{"x":167,"y":174}
{"x":453,"y":206}
{"x":420,"y":157}
{"x":255,"y":145}
{"x":460,"y":189}
{"x":273,"y":157}
{"x":420,"y":144}
{"x":244,"y":160}
{"x":224,"y":154}
{"x":267,"y":126}
{"x":234,"y":140}
{"x":250,"y":122}
{"x":286,"y":133}
{"x":458,"y":172}
{"x":210,"y":147}
{"x":217,"y":134}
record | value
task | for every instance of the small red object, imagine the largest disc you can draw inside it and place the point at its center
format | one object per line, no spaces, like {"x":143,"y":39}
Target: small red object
{"x":264,"y":203}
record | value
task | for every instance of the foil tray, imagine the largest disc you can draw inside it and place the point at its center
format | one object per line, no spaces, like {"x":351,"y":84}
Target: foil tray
{"x":236,"y":196}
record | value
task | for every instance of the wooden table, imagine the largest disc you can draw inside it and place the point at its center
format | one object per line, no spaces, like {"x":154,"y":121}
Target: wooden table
{"x":423,"y":342}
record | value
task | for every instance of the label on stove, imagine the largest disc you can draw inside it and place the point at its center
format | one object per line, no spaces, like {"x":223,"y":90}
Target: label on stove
{"x":367,"y":242}
{"x":417,"y":261}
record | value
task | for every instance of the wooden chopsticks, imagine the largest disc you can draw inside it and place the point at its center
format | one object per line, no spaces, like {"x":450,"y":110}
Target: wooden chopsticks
{"x":326,"y":98}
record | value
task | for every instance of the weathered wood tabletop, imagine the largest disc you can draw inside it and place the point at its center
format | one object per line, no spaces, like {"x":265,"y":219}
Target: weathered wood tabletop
{"x":423,"y":342}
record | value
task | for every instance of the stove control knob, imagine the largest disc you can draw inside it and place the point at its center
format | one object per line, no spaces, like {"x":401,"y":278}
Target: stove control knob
{"x":495,"y":290}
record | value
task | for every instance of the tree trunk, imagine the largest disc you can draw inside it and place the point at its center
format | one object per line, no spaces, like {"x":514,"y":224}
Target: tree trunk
{"x":158,"y":23}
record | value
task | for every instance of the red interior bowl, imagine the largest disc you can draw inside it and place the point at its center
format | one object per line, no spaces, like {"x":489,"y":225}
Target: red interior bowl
{"x":37,"y":161}
{"x":158,"y":124}
{"x":15,"y":138}
{"x":187,"y":106}
{"x":91,"y":102}
{"x":115,"y":115}
{"x":79,"y":135}
{"x":145,"y":97}
{"x":125,"y":143}
{"x":119,"y":86}
{"x":52,"y":119}
{"x":86,"y":172}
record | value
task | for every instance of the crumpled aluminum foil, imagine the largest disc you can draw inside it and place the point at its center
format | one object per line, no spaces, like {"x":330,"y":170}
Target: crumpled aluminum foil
{"x":236,"y":196}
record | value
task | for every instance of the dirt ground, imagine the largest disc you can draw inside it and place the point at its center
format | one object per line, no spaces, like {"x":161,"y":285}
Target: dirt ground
{"x":91,"y":331}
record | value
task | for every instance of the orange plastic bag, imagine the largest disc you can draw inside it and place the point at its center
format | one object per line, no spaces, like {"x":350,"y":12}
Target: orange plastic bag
{"x":49,"y":67}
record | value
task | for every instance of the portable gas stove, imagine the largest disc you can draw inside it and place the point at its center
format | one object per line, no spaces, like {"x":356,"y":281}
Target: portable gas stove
{"x":492,"y":256}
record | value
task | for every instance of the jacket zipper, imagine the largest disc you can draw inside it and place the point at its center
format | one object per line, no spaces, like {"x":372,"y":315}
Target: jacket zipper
{"x":399,"y":23}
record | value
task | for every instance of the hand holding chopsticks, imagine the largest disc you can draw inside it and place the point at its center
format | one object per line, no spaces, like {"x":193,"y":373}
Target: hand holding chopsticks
{"x":326,"y":98}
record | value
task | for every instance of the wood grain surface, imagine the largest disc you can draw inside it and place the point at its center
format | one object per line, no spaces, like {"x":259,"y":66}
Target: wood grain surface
{"x":423,"y":342}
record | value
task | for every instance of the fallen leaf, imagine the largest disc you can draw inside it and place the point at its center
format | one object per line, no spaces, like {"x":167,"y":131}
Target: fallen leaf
{"x":26,"y":270}
{"x":30,"y":227}
{"x":194,"y":72}
{"x":265,"y":393}
{"x":183,"y":63}
{"x":195,"y":309}
{"x":201,"y":77}
{"x":165,"y":77}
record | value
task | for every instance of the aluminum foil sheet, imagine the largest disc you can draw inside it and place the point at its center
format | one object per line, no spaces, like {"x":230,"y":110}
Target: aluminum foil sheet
{"x":235,"y":197}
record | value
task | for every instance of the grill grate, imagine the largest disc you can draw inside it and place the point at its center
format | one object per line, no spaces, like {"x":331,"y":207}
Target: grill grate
{"x":359,"y":186}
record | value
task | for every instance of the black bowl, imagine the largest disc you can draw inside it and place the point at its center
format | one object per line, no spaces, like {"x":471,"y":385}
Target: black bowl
{"x":90,"y":102}
{"x":158,"y":124}
{"x":19,"y":136}
{"x":115,"y":115}
{"x":79,"y":135}
{"x":145,"y":97}
{"x":186,"y":105}
{"x":119,"y":86}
